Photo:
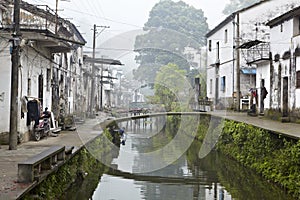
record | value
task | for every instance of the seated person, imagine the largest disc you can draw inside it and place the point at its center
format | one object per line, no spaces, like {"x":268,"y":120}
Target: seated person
{"x":46,"y":113}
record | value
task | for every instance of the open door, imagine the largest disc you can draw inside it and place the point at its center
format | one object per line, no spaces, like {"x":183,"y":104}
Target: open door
{"x":217,"y":92}
{"x":41,"y":88}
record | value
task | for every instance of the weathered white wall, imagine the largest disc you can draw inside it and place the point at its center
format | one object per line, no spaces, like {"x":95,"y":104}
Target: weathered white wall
{"x":225,"y":58}
{"x":32,"y":65}
{"x":252,"y":20}
{"x":251,"y":25}
{"x":298,"y":90}
{"x":5,"y":71}
{"x":263,"y":72}
{"x":296,"y":43}
{"x":282,"y":39}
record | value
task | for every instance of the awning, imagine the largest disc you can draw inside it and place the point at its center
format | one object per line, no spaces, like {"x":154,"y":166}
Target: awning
{"x":248,"y":45}
{"x":109,"y":77}
{"x":248,"y":71}
{"x":103,"y":61}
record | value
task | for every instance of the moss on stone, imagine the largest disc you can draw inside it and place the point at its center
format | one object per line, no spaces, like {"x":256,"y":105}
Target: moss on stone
{"x":54,"y":186}
{"x":275,"y":157}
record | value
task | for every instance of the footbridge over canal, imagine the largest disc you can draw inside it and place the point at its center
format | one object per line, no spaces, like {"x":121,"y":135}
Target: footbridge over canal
{"x":291,"y":130}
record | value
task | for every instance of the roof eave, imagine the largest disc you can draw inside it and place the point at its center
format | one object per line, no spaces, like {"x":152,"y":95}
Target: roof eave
{"x":231,"y":17}
{"x":284,"y":17}
{"x":222,"y":24}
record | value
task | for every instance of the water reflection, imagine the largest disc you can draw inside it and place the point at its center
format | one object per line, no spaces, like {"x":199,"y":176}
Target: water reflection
{"x":214,"y":177}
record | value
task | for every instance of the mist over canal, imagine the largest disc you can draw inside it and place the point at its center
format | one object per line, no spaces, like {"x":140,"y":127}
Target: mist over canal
{"x":213,"y":177}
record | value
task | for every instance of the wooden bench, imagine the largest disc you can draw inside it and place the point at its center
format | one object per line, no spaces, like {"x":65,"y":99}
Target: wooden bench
{"x":35,"y":166}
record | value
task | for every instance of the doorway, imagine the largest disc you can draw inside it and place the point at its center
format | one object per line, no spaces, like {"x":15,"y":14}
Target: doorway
{"x":217,"y":92}
{"x":285,"y":95}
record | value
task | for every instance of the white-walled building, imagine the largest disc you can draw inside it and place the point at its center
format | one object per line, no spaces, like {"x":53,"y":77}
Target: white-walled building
{"x":226,"y":57}
{"x":50,"y":62}
{"x":284,"y":67}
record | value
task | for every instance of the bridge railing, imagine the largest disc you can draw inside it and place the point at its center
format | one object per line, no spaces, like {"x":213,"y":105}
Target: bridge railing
{"x":203,"y":105}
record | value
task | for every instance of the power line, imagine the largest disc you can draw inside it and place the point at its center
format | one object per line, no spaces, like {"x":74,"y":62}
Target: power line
{"x":112,"y":49}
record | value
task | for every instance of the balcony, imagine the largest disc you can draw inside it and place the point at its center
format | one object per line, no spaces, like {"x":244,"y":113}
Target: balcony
{"x":41,"y":25}
{"x":256,"y":52}
{"x":32,"y":18}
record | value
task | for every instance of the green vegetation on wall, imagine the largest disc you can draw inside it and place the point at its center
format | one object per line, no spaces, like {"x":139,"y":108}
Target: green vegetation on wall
{"x":273,"y":156}
{"x":74,"y":170}
{"x":239,"y":181}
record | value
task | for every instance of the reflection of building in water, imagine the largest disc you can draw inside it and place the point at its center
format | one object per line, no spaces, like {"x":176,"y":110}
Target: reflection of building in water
{"x":177,"y":181}
{"x":149,"y":126}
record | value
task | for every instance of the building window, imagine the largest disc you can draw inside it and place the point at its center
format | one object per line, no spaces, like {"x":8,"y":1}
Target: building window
{"x":223,"y":83}
{"x":29,"y":87}
{"x":298,"y":25}
{"x":209,"y":45}
{"x":210,"y":86}
{"x":296,"y":28}
{"x":298,"y":80}
{"x":61,"y":81}
{"x":226,"y":36}
{"x":218,"y":51}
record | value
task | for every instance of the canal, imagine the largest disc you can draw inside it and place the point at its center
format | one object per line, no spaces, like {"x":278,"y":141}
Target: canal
{"x":179,"y":175}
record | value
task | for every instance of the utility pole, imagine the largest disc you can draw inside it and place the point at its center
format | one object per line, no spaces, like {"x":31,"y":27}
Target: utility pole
{"x":92,"y":100}
{"x":15,"y":61}
{"x":101,"y":88}
{"x":93,"y":73}
{"x":238,"y":82}
{"x":56,"y":16}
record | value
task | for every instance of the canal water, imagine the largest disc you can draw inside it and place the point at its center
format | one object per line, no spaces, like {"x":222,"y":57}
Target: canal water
{"x":214,"y":177}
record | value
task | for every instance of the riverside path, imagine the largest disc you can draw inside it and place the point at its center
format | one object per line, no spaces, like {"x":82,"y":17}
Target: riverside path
{"x":9,"y":159}
{"x":291,"y":130}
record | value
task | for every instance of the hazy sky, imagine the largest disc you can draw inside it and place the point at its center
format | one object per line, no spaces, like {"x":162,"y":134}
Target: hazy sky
{"x":121,"y":15}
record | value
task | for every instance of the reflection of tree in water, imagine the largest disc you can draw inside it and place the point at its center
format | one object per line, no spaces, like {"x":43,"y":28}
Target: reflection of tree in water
{"x":157,"y":141}
{"x":240,"y":182}
{"x":213,"y":176}
{"x":84,"y":188}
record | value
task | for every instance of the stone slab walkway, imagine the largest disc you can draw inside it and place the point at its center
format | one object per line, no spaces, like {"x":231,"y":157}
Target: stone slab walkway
{"x":288,"y":129}
{"x":9,"y":159}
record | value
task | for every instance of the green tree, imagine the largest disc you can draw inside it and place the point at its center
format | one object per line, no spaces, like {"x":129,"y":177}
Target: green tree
{"x":170,"y":83}
{"x":171,"y":27}
{"x":236,"y":5}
